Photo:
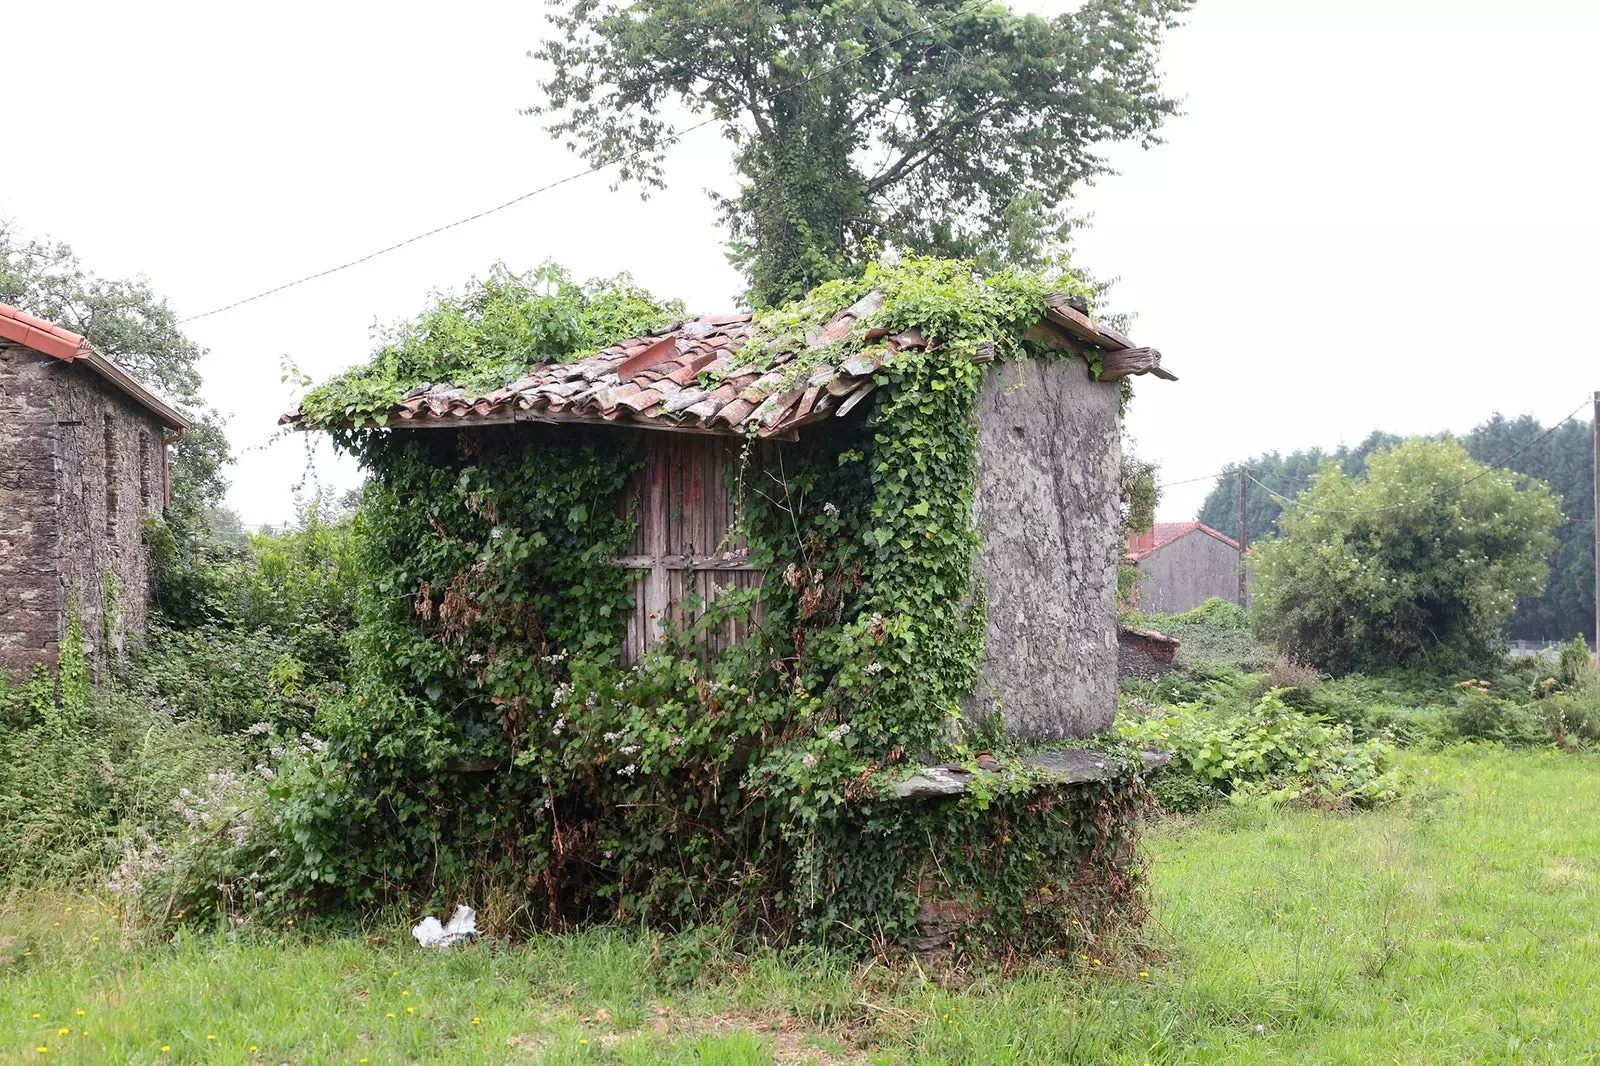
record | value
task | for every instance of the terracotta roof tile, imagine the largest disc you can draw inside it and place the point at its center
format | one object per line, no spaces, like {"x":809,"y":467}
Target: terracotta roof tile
{"x":657,"y":380}
{"x":1161,"y":534}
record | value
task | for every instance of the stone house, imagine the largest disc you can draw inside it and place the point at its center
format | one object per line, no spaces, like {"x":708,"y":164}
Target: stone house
{"x":83,"y":460}
{"x":1182,"y":565}
{"x":1047,"y":502}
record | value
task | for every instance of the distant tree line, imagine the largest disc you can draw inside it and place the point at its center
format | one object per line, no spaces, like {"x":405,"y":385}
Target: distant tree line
{"x":1564,"y":460}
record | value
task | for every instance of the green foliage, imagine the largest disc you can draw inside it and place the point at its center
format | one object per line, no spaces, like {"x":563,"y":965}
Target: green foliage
{"x":1575,"y":663}
{"x":78,"y":768}
{"x":1284,"y":475}
{"x":492,"y":743}
{"x":948,"y":127}
{"x":1422,"y":573}
{"x":151,"y":779}
{"x":1214,"y":635}
{"x":1562,"y":459}
{"x":1403,"y":933}
{"x":495,"y":331}
{"x":1233,"y":743}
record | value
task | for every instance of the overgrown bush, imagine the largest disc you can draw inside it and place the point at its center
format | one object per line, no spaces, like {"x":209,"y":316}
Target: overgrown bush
{"x":1213,"y":636}
{"x":1230,"y":742}
{"x":94,"y":780}
{"x":81,"y":770}
{"x":1418,"y":566}
{"x":492,"y":739}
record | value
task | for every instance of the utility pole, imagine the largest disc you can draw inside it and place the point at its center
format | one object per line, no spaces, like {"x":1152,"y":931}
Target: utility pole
{"x":1596,"y":427}
{"x":1244,"y":528}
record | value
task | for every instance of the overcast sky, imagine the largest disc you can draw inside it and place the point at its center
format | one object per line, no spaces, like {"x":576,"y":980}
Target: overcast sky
{"x":1371,"y":214}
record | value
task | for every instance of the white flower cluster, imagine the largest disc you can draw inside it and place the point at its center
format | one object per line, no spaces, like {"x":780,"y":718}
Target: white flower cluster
{"x":839,"y":732}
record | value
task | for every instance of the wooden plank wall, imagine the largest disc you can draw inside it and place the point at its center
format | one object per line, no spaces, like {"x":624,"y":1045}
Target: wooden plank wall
{"x":685,"y":510}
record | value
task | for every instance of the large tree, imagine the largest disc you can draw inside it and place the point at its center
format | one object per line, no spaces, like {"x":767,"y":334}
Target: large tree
{"x":1419,"y":563}
{"x":945,"y":126}
{"x":1285,"y":475}
{"x":1562,"y":458}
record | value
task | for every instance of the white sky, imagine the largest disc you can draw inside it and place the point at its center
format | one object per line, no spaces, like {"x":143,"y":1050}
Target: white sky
{"x":1371,"y":214}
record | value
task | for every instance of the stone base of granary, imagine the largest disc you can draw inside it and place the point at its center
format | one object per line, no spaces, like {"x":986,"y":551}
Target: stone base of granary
{"x":1034,"y":857}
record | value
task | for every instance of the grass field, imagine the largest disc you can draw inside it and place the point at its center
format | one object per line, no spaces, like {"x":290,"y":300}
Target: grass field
{"x":1464,"y":927}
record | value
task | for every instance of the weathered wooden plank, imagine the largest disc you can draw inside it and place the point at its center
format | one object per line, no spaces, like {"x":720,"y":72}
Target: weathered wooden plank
{"x":1129,"y":361}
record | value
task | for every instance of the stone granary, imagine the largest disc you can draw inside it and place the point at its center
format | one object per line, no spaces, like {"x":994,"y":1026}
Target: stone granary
{"x":1182,"y":565}
{"x":83,"y":460}
{"x":1046,"y":504}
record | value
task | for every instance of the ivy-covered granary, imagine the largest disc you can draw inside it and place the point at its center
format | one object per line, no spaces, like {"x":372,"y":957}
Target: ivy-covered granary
{"x":796,"y":624}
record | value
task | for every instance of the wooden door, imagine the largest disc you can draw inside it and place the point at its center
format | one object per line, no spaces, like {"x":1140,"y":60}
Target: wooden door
{"x":684,"y":503}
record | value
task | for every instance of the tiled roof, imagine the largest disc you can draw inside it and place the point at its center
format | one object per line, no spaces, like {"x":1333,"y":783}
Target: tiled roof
{"x":656,"y":381}
{"x":1161,"y":534}
{"x":49,"y":339}
{"x":38,"y":334}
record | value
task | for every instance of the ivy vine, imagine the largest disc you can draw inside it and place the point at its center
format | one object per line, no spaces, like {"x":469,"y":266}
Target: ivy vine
{"x":493,"y":741}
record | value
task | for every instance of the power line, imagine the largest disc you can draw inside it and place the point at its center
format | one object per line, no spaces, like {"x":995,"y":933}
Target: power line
{"x":1486,"y":471}
{"x":1192,"y":480}
{"x":595,"y":168}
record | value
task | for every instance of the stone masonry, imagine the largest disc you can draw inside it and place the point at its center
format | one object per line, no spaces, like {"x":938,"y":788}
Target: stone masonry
{"x":1047,"y":509}
{"x":81,"y":466}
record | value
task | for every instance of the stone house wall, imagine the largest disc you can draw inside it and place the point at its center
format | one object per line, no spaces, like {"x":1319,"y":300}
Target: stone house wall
{"x":1047,"y":510}
{"x":81,"y":472}
{"x":30,"y":585}
{"x":1186,"y":573}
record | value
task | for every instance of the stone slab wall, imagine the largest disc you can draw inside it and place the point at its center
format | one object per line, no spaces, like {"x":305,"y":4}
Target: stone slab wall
{"x":1047,"y":508}
{"x":30,"y":586}
{"x":1184,"y":574}
{"x":111,"y":478}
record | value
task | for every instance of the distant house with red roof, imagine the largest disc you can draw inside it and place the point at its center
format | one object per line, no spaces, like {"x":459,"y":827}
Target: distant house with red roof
{"x":1182,"y":565}
{"x":83,"y":460}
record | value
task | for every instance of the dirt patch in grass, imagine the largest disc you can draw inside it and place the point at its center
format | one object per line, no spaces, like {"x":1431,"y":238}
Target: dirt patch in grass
{"x":791,"y":1043}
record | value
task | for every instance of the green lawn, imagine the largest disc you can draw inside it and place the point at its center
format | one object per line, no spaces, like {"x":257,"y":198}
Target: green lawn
{"x":1463,"y":928}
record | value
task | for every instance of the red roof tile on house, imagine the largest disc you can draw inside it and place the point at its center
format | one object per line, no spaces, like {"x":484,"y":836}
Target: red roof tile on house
{"x":1161,"y":534}
{"x":21,"y":328}
{"x":38,"y":334}
{"x":656,"y":382}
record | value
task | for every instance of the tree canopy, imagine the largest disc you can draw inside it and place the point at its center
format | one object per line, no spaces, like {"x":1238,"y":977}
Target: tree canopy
{"x":944,"y":126}
{"x":1564,"y":460}
{"x":1404,"y":568}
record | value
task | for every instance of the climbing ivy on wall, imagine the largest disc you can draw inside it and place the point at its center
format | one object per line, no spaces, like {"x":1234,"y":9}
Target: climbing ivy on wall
{"x":492,"y":740}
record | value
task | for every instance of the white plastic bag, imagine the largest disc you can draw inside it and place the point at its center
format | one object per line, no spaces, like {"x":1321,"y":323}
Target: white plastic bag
{"x":464,"y":926}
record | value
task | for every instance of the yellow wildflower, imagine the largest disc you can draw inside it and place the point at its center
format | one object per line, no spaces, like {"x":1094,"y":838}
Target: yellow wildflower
{"x":63,"y":1031}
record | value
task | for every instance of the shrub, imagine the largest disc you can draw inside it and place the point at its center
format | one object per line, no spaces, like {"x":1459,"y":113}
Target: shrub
{"x":1214,"y":636}
{"x":1269,"y":743}
{"x":82,"y":771}
{"x":1394,"y":570}
{"x":1476,"y":714}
